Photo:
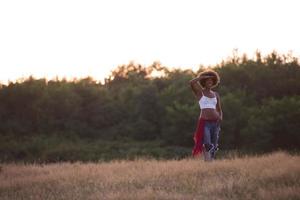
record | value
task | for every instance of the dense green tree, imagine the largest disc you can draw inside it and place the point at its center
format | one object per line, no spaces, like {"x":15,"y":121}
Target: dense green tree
{"x":136,"y":112}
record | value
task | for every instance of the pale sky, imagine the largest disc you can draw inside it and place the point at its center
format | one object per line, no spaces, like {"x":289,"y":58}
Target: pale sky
{"x":79,"y":38}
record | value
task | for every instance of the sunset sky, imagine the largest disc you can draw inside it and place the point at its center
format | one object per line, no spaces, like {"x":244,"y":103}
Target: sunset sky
{"x":78,"y":38}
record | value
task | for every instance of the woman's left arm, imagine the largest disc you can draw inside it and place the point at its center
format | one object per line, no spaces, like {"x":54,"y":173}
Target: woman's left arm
{"x":219,"y":109}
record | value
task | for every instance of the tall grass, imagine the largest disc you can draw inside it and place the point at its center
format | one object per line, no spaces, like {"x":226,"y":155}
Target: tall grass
{"x":270,"y":176}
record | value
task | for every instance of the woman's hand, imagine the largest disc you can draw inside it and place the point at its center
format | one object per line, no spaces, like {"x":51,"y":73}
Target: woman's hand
{"x":194,"y":80}
{"x":220,"y":119}
{"x":205,"y":76}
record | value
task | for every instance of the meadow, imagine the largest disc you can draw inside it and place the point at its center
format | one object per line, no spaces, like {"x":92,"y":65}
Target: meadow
{"x":270,"y":176}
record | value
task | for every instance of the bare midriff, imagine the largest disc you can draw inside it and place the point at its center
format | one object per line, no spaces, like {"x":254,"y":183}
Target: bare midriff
{"x":210,"y":114}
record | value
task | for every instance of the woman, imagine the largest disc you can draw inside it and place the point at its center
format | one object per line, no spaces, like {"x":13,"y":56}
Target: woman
{"x":211,"y":115}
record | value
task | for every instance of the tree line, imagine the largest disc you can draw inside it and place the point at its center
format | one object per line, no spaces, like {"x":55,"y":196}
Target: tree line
{"x":136,"y":113}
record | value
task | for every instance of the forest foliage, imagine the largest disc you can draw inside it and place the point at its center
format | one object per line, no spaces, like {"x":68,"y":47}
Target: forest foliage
{"x":135,"y":113}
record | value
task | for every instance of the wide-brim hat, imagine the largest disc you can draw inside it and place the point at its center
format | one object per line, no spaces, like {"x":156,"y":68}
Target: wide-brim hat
{"x":213,"y":75}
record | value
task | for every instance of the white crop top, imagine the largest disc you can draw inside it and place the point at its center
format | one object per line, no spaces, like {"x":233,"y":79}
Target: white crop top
{"x":208,"y":102}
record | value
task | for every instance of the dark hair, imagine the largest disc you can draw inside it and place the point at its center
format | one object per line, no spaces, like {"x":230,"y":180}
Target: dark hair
{"x":213,"y":75}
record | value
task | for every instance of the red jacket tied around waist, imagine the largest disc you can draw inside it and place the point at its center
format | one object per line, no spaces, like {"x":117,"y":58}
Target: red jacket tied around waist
{"x":198,"y":137}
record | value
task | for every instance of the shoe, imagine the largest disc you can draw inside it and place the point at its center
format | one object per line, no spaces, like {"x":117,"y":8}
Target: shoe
{"x":208,"y":154}
{"x":214,"y":152}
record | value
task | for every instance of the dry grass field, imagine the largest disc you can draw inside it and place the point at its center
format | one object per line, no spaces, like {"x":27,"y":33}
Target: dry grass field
{"x":272,"y":176}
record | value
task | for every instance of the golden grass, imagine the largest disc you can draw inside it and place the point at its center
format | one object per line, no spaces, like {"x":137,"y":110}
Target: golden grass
{"x":272,"y":176}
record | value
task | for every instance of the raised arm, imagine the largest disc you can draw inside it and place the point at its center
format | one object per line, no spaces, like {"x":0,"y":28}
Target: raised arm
{"x":196,"y":87}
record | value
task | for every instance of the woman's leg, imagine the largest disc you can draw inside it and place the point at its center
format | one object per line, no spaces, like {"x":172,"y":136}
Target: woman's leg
{"x":215,"y":138}
{"x":207,"y":141}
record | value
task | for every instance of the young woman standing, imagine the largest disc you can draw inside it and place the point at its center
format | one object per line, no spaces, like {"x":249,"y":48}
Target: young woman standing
{"x":208,"y":127}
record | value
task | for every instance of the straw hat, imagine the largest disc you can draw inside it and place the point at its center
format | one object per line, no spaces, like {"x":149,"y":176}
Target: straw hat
{"x":213,"y":75}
